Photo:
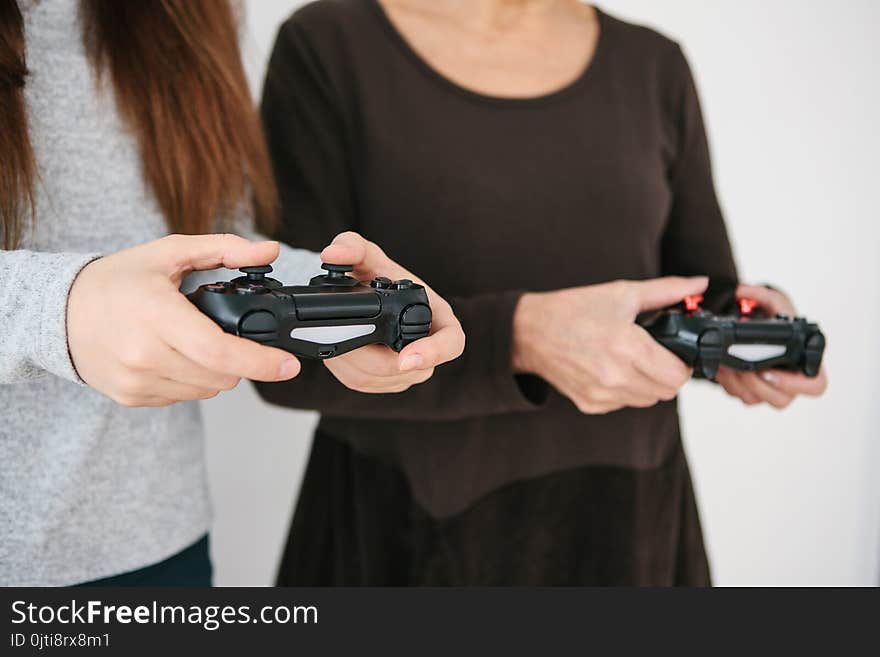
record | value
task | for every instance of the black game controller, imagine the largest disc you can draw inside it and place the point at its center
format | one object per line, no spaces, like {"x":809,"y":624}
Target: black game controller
{"x":330,"y":316}
{"x":742,"y":336}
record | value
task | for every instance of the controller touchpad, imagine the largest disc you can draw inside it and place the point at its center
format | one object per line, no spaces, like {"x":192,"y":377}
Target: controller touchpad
{"x":331,"y":334}
{"x":755,"y":353}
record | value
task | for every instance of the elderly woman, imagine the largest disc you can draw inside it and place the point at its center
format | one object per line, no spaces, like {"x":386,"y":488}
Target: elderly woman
{"x":545,"y":165}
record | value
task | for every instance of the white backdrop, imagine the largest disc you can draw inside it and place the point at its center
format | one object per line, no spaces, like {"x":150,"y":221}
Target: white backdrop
{"x":790,"y":92}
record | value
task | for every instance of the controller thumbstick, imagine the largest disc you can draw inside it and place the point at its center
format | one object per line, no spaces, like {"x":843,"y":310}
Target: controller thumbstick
{"x":692,"y":302}
{"x":336,"y":272}
{"x":256,"y":273}
{"x":746,"y":306}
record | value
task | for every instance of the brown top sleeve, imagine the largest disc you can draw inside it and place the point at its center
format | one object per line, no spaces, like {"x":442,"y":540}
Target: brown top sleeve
{"x":310,"y":142}
{"x":696,"y":240}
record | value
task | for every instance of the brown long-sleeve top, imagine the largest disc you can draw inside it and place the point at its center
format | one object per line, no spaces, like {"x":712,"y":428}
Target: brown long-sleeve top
{"x":485,"y":198}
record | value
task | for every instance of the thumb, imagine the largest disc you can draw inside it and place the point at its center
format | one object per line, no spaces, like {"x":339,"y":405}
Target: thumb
{"x":367,"y":258}
{"x":661,"y":292}
{"x":178,"y":255}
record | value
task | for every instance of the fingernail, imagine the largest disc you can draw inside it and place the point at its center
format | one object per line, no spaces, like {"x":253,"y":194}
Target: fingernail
{"x":411,"y":362}
{"x":289,"y":369}
{"x":770,"y":378}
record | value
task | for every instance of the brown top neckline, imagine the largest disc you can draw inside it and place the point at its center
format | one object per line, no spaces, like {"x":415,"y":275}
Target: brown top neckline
{"x":588,"y":72}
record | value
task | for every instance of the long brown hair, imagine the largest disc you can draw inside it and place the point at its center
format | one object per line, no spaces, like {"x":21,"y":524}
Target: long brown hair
{"x":180,"y":86}
{"x":17,"y":169}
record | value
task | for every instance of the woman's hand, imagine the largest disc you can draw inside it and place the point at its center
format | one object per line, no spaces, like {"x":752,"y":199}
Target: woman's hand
{"x":377,"y":368}
{"x":585,"y":343}
{"x":134,"y":336}
{"x":775,"y":387}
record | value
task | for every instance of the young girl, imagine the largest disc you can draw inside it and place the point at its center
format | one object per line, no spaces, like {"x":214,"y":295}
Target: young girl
{"x":122,"y":122}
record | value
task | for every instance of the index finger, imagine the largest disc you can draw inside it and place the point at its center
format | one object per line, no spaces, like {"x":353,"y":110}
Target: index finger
{"x":445,"y":343}
{"x":658,"y":362}
{"x":796,"y":383}
{"x":198,"y":338}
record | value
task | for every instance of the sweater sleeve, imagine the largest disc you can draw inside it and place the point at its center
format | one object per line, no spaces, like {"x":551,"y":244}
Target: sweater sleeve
{"x":695,"y":241}
{"x":34,"y":288}
{"x":311,"y":144}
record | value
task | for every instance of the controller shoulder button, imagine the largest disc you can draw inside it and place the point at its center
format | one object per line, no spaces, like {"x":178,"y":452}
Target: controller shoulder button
{"x":402,"y":284}
{"x":381,"y":283}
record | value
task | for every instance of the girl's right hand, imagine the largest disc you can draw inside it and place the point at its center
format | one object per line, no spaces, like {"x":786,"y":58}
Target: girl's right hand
{"x":133,"y":336}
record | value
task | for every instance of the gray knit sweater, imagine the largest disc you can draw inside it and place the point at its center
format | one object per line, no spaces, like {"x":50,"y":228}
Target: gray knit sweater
{"x":87,"y":488}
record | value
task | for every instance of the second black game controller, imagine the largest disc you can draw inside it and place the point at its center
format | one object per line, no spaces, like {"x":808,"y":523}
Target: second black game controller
{"x":332,"y":315}
{"x":742,"y":336}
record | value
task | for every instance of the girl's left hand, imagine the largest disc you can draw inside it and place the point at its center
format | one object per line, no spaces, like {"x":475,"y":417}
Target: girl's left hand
{"x":377,"y":368}
{"x":775,"y":387}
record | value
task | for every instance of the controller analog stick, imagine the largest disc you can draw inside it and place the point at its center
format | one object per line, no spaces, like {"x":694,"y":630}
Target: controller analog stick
{"x":692,"y":303}
{"x":336,"y":272}
{"x":335,"y":276}
{"x":256,"y":274}
{"x":746,"y":306}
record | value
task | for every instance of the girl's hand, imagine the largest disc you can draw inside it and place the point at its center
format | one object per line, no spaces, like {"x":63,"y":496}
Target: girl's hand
{"x":134,"y":336}
{"x":775,"y":387}
{"x":377,"y":368}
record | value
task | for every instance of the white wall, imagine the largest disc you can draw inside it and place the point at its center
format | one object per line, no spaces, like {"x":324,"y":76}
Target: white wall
{"x":791,"y":94}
